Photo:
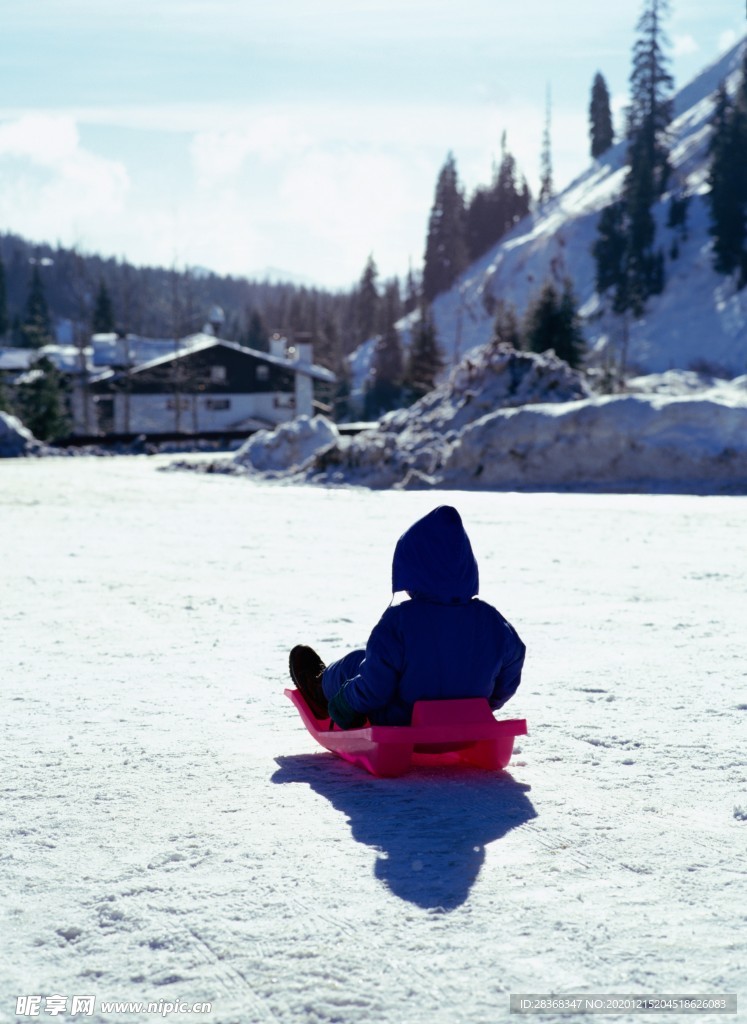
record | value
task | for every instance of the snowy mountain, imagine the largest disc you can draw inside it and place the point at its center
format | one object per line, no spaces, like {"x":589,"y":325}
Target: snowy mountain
{"x":699,"y":322}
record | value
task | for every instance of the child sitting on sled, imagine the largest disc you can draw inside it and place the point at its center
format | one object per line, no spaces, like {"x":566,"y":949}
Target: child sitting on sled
{"x":444,"y":643}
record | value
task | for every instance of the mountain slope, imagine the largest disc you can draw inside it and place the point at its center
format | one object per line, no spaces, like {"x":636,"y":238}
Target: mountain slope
{"x":700,"y":321}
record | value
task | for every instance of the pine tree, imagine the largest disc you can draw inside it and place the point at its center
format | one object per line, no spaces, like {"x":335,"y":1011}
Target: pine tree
{"x":42,"y":402}
{"x":651,"y":84}
{"x":600,"y":117}
{"x":642,"y":265}
{"x":541,"y":319}
{"x":368,"y":302}
{"x":328,"y":348}
{"x":387,"y":370}
{"x":5,"y":403}
{"x":4,"y":322}
{"x":679,"y":205}
{"x":257,"y":336}
{"x":391,"y":307}
{"x":551,"y":322}
{"x":412,"y":293}
{"x":546,"y":191}
{"x":36,"y":330}
{"x":506,"y":327}
{"x":513,"y":199}
{"x":728,"y":180}
{"x":425,"y":359}
{"x":446,"y":245}
{"x":341,"y":406}
{"x":494,"y":210}
{"x":625,"y":253}
{"x":103,"y":311}
{"x":609,"y":248}
{"x":481,"y":231}
{"x":570,"y":345}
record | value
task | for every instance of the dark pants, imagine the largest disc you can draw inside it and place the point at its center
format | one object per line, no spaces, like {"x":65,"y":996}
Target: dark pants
{"x":337,"y":674}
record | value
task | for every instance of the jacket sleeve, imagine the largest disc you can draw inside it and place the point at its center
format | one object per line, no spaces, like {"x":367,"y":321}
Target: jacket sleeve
{"x":509,"y":675}
{"x":377,"y":682}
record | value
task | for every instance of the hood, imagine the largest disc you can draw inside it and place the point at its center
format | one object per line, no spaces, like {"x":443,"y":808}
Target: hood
{"x":434,"y":558}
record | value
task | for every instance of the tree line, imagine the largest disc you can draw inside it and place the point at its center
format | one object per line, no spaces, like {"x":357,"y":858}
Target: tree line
{"x":42,"y":285}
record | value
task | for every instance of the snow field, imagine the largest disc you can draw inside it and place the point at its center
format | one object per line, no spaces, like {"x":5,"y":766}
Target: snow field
{"x":170,"y":831}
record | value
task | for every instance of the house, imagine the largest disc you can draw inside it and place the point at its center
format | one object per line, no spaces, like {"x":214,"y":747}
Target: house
{"x":113,"y":351}
{"x":17,"y":360}
{"x":205,"y":385}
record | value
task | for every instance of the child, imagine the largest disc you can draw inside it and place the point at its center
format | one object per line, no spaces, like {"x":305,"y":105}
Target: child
{"x":443,"y":643}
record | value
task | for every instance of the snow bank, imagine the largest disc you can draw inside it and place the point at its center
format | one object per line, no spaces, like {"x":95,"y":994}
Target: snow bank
{"x":688,"y":382}
{"x":626,"y":442}
{"x":515,"y":420}
{"x":411,"y":445}
{"x":15,"y":439}
{"x":288,"y":446}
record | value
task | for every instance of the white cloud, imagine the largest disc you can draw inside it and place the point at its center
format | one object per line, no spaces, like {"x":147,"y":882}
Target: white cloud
{"x":727,"y":39}
{"x":45,"y":139}
{"x":684,"y":46}
{"x":311,"y":188}
{"x":51,"y":186}
{"x":219,"y":154}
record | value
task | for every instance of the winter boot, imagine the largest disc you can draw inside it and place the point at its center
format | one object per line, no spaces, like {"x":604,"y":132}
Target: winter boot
{"x":306,"y":668}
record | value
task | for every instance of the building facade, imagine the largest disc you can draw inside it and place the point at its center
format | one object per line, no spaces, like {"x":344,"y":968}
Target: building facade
{"x":206,"y":386}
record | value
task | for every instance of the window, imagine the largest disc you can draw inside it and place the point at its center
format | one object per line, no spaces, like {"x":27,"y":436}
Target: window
{"x":218,"y":404}
{"x":263,"y":372}
{"x":183,"y":403}
{"x":217,"y":375}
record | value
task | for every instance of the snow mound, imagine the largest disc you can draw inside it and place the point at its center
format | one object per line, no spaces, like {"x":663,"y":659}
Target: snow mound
{"x":511,"y":420}
{"x":688,"y":382}
{"x":498,"y":376}
{"x":15,"y":439}
{"x":613,"y":443}
{"x":288,"y":446}
{"x":410,"y":445}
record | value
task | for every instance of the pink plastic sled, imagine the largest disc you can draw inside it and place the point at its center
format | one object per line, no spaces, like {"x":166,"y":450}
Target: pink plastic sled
{"x":442,"y":732}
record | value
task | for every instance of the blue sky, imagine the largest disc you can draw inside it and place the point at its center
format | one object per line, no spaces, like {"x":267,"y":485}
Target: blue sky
{"x":296,"y":135}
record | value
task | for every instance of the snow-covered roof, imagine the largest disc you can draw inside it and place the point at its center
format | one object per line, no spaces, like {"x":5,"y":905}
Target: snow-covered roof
{"x":66,"y":358}
{"x":200,"y":342}
{"x":14,"y":360}
{"x":114,"y":350}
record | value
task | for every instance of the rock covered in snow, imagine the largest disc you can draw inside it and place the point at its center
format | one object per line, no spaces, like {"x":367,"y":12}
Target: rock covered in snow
{"x":411,"y":445}
{"x":497,"y":376}
{"x":15,"y":439}
{"x":288,"y":446}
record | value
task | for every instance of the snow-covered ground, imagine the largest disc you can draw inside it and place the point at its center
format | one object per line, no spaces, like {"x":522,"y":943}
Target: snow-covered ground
{"x":170,"y":831}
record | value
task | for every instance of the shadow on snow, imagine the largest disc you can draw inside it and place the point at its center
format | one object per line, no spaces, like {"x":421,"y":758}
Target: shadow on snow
{"x":430,"y":828}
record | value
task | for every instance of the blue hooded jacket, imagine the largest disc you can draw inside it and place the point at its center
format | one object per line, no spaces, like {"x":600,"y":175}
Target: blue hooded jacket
{"x":442,"y":643}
